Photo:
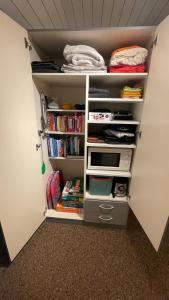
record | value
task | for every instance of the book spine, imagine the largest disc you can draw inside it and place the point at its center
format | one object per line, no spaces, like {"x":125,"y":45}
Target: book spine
{"x":51,"y":146}
{"x":49,"y":149}
{"x":50,"y":124}
{"x":76,"y":121}
{"x":53,"y":122}
{"x":80,"y":123}
{"x":83,"y":123}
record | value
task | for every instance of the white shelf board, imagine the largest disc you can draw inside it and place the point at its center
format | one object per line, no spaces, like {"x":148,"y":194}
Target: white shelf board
{"x":61,"y":79}
{"x":129,"y":122}
{"x":103,"y":145}
{"x":79,"y":79}
{"x":108,"y":173}
{"x":52,"y":213}
{"x":65,"y":158}
{"x":104,"y":197}
{"x":66,"y":133}
{"x":65,"y":110}
{"x":116,"y":100}
{"x":117,"y":78}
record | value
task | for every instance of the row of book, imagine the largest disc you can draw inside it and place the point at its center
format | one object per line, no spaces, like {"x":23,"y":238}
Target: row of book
{"x":65,"y":147}
{"x":66,"y":123}
{"x":72,"y":196}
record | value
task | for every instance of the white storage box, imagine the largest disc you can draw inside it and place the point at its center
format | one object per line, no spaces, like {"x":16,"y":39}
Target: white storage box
{"x":100,"y":116}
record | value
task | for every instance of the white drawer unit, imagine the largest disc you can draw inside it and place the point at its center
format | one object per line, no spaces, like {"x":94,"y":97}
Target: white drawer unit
{"x":107,"y":212}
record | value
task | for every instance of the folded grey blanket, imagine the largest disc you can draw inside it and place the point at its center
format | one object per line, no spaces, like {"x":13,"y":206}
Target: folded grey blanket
{"x":82,"y":55}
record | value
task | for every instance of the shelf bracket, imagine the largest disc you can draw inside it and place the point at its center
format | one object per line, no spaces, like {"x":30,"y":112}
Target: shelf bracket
{"x":154,"y":43}
{"x":27,"y":44}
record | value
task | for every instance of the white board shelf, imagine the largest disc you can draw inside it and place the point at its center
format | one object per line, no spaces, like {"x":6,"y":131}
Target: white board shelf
{"x":116,"y":100}
{"x":60,"y":79}
{"x":129,"y":122}
{"x":117,"y":78}
{"x":108,"y":173}
{"x":104,"y":197}
{"x":64,"y":133}
{"x":103,"y":145}
{"x":65,"y":158}
{"x":52,"y":213}
{"x":65,"y":110}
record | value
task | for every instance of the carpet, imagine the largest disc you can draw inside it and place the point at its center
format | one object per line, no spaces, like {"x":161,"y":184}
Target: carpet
{"x":73,"y":261}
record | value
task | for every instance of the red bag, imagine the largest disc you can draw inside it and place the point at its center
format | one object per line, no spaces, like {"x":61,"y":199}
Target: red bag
{"x":54,"y":188}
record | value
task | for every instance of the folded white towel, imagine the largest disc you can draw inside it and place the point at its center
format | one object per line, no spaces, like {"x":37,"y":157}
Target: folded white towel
{"x":86,"y":71}
{"x":83,"y":59}
{"x":129,"y":56}
{"x":82,"y":68}
{"x":71,"y":54}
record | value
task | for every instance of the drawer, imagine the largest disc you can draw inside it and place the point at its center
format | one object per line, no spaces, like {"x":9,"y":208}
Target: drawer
{"x":109,"y":212}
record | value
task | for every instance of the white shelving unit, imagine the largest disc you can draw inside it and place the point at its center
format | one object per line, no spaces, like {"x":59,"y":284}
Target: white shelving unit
{"x":81,"y":81}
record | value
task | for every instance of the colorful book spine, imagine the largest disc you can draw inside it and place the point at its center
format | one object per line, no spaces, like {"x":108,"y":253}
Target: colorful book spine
{"x":48,"y":144}
{"x":51,"y":146}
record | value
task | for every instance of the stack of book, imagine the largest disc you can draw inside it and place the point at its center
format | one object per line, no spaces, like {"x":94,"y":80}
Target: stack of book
{"x":72,"y":196}
{"x":69,"y":147}
{"x":66,"y":123}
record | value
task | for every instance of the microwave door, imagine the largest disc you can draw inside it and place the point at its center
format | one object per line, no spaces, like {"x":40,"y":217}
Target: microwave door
{"x":105,"y":160}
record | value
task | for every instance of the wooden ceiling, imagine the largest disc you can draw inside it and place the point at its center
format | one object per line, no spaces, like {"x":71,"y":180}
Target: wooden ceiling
{"x":83,"y":14}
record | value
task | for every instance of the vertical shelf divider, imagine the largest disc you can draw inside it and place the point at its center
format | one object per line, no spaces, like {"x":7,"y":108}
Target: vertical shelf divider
{"x":86,"y":132}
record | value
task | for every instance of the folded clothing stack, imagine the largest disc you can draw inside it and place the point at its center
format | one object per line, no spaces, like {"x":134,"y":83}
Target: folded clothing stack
{"x":128,"y":60}
{"x":114,"y":134}
{"x":45,"y":67}
{"x":132,"y":92}
{"x":83,"y":59}
{"x":119,"y":134}
{"x":98,"y":93}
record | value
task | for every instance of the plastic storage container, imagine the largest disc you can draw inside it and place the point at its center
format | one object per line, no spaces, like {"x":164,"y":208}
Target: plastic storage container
{"x":100,"y":185}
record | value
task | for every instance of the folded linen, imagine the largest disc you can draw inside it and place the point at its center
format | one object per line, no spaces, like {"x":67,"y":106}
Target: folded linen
{"x":83,"y":68}
{"x":94,"y":90}
{"x":85,"y":71}
{"x":132,"y":92}
{"x":71,"y":52}
{"x":98,"y":93}
{"x":83,"y":59}
{"x":127,"y":69}
{"x":45,"y":67}
{"x":133,"y":55}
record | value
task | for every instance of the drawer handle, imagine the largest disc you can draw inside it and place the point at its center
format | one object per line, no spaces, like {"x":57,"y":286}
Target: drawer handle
{"x":106,"y":207}
{"x":105,"y":219}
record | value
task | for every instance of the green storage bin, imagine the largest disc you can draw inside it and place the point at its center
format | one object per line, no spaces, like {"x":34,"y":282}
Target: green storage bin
{"x":100,"y":185}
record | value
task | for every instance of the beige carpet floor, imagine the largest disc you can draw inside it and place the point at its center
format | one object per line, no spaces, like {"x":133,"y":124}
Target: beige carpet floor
{"x":72,"y":261}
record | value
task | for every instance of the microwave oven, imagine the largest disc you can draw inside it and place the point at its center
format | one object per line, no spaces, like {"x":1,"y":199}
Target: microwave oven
{"x":109,"y":159}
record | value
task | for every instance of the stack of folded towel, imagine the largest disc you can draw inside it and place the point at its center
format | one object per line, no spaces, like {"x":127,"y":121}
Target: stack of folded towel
{"x":83,"y":59}
{"x":132,"y":92}
{"x":45,"y":67}
{"x":128,"y":60}
{"x":98,"y":93}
